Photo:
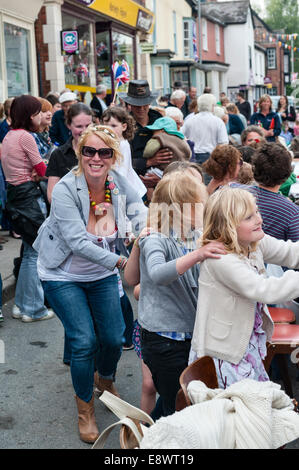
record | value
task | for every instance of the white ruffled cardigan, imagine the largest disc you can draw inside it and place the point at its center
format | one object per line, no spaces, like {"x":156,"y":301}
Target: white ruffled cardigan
{"x":247,"y":415}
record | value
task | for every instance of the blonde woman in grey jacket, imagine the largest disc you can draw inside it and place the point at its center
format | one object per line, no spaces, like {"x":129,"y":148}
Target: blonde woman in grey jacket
{"x":233,"y":323}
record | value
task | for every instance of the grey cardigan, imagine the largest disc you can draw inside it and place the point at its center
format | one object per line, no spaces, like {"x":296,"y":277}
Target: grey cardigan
{"x":167,"y":300}
{"x":64,"y":231}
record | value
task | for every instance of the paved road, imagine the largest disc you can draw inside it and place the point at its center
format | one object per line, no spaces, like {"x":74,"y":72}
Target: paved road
{"x":37,"y":406}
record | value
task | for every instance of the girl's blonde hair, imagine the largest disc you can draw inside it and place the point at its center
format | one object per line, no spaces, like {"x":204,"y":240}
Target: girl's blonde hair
{"x":223,"y":213}
{"x":107,"y":135}
{"x":176,"y":195}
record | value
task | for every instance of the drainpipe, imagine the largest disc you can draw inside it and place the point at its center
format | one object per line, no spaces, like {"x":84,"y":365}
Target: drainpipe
{"x":199,"y":30}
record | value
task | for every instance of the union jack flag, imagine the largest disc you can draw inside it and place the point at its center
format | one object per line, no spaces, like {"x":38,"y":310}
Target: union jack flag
{"x":121,"y":72}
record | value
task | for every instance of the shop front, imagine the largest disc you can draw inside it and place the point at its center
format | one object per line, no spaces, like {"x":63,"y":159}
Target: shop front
{"x":97,"y":33}
{"x":18,"y":69}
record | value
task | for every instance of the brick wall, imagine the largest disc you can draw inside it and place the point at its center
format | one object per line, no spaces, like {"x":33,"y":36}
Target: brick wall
{"x":41,"y":53}
{"x":211,"y":54}
{"x":276,"y":75}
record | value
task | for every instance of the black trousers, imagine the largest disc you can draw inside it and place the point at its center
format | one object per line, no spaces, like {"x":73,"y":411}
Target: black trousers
{"x":166,"y":359}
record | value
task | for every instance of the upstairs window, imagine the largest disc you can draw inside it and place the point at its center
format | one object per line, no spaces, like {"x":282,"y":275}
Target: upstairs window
{"x":271,"y":58}
{"x":204,"y":34}
{"x":217,"y":39}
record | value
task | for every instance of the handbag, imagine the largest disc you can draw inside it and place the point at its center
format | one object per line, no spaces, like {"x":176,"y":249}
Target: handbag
{"x":130,"y":419}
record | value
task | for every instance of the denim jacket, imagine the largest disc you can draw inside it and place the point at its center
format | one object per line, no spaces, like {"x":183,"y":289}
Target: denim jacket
{"x":64,"y":231}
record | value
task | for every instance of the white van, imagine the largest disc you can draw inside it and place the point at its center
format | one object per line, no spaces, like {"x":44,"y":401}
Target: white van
{"x":275,"y":100}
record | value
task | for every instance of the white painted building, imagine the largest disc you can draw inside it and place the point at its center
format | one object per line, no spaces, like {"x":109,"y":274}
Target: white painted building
{"x":239,"y":45}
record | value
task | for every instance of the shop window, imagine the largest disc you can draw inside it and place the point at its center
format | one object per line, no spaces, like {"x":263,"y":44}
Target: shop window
{"x":104,"y":59}
{"x":16,"y":41}
{"x":123,"y":50}
{"x":79,"y":67}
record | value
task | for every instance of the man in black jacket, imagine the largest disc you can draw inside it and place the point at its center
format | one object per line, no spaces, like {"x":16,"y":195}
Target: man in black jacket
{"x":98,"y":104}
{"x":243,"y":106}
{"x":139,"y":98}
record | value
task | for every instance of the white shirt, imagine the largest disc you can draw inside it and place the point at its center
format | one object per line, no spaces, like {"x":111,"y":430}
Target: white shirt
{"x":206,"y":131}
{"x":126,"y":168}
{"x":103,"y":104}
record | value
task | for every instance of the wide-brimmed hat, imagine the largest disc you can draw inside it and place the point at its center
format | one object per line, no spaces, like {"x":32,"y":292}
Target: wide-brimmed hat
{"x":138,"y":94}
{"x":168,"y":125}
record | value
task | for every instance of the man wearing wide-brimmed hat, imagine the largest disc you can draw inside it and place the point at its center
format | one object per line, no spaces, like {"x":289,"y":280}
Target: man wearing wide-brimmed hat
{"x":139,"y":97}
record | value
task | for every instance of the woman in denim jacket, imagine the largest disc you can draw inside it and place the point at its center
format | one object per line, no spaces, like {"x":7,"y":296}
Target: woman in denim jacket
{"x":78,"y":265}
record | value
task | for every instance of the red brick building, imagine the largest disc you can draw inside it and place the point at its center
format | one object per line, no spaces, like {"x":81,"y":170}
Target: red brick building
{"x":213,"y":52}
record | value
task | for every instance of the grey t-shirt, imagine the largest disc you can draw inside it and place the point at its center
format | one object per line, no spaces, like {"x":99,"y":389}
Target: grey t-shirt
{"x":167,"y":300}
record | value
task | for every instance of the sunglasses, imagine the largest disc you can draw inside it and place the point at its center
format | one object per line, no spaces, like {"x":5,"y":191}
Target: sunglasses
{"x":104,"y":153}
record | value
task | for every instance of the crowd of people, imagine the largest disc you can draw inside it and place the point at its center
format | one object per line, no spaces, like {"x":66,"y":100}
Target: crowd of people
{"x":183,"y":197}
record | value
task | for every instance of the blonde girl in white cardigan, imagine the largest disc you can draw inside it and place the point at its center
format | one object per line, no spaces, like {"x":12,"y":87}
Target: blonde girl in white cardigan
{"x":232,"y":320}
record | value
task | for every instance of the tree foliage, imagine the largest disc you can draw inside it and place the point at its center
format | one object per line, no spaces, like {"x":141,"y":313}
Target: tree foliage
{"x":283,"y":15}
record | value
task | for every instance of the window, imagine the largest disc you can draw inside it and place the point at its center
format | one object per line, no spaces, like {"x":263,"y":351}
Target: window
{"x":250,"y":57}
{"x":271,"y":58}
{"x":79,"y":68}
{"x":187,"y":38}
{"x":217,"y":38}
{"x":123,"y":50}
{"x":16,"y":41}
{"x":286,"y":63}
{"x":175,"y":46}
{"x":158,"y":76}
{"x":204,"y":34}
{"x":190,"y":42}
{"x":272,"y":91}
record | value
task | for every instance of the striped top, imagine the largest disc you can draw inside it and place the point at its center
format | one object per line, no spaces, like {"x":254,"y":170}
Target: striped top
{"x":280,"y":215}
{"x":19,"y":155}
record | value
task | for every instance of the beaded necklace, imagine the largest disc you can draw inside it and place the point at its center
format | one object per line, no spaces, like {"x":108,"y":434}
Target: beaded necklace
{"x":101,"y":209}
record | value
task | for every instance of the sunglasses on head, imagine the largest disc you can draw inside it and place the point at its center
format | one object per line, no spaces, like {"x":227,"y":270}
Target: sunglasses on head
{"x":104,"y":153}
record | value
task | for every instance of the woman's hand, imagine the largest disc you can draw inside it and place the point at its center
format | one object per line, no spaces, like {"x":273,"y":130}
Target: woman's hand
{"x":211,"y":250}
{"x":144,"y":233}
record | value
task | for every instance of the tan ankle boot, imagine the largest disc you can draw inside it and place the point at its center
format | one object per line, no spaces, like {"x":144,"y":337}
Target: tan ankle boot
{"x":88,"y":429}
{"x":105,"y":384}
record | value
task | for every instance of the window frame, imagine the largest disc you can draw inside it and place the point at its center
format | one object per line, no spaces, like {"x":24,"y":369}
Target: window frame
{"x":204,"y":34}
{"x":269,"y":65}
{"x":217,"y":39}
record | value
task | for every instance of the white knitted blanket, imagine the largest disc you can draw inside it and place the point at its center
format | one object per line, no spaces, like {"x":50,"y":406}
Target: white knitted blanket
{"x":247,"y":415}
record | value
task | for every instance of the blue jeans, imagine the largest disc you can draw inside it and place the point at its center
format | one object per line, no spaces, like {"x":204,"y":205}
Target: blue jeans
{"x":92,"y":318}
{"x":201,"y":158}
{"x":29,"y":292}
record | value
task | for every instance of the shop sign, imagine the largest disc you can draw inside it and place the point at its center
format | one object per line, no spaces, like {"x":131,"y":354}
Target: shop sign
{"x":126,"y":11}
{"x":267,"y":81}
{"x":146,"y":47}
{"x":144,"y":20}
{"x":70,"y":43}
